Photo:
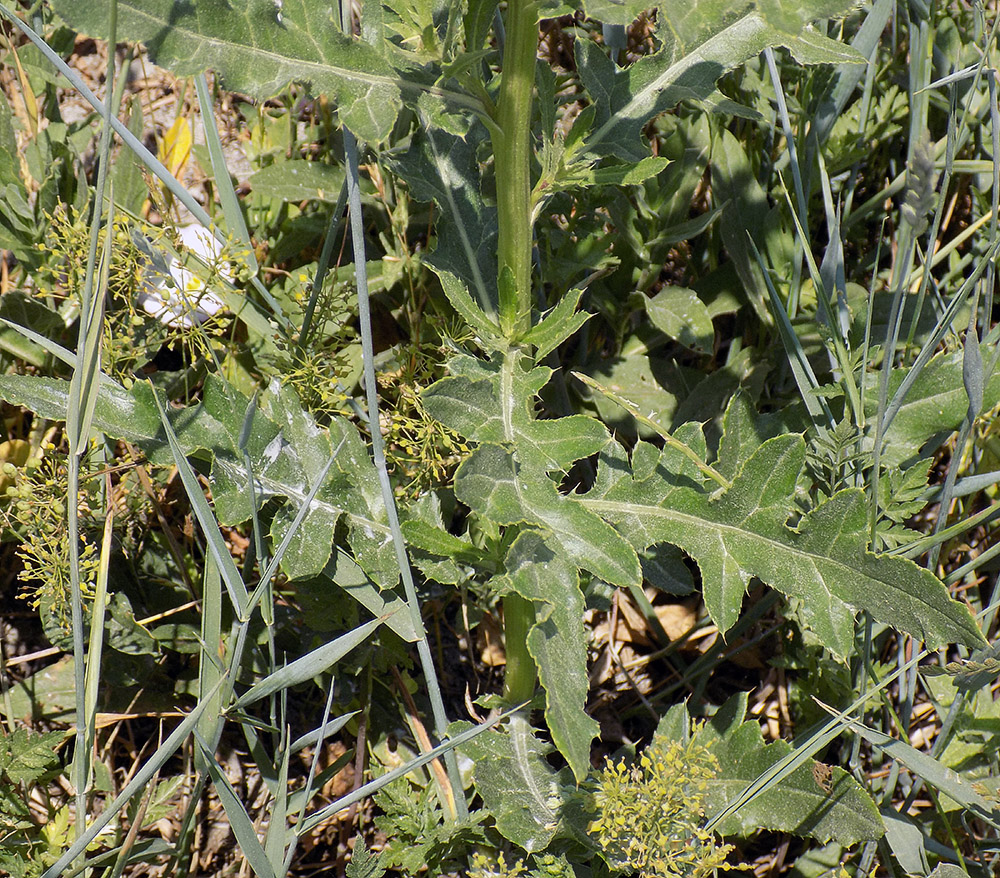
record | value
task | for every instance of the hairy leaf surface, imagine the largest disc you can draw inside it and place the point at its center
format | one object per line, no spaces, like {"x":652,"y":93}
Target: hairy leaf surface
{"x":701,"y":41}
{"x":557,"y":642}
{"x":816,"y":800}
{"x":259,"y":47}
{"x":522,"y":792}
{"x":286,"y":450}
{"x":741,"y":533}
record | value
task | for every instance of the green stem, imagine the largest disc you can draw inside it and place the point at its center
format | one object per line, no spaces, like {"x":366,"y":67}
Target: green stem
{"x":512,"y":162}
{"x":520,"y":674}
{"x":512,"y":157}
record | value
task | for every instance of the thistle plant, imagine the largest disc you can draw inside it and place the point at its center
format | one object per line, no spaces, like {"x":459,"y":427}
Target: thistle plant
{"x":552,"y":507}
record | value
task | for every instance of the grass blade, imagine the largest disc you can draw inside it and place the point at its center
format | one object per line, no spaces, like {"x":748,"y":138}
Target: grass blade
{"x":203,"y":512}
{"x":310,"y":665}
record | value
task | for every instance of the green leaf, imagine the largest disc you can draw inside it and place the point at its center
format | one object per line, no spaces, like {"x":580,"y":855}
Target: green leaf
{"x":493,"y":483}
{"x":364,"y":864}
{"x":466,"y":307}
{"x":556,"y":326}
{"x":442,"y":168}
{"x":742,"y":532}
{"x":298,"y":180}
{"x":258,"y":47}
{"x":287,"y":451}
{"x":678,"y":312}
{"x":934,"y":406}
{"x":520,"y":790}
{"x":702,"y":40}
{"x":10,"y":171}
{"x":557,"y":642}
{"x":26,"y":756}
{"x":494,"y":401}
{"x":477,"y":21}
{"x":612,"y":11}
{"x":820,"y":801}
{"x":311,"y":665}
{"x":626,"y":175}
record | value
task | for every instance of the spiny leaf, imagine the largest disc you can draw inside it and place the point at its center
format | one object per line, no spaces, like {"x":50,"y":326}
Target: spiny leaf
{"x":286,"y":449}
{"x":496,"y":485}
{"x":259,"y":47}
{"x":557,"y":642}
{"x":557,"y":325}
{"x":493,"y":401}
{"x":442,"y":167}
{"x":702,"y":40}
{"x":817,"y":800}
{"x":521,"y":791}
{"x":742,"y":532}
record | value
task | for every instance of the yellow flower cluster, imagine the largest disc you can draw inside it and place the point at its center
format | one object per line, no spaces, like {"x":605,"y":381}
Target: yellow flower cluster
{"x":650,"y":813}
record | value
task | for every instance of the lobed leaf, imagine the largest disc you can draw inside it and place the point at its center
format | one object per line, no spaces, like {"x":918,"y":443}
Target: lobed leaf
{"x":557,"y":642}
{"x":520,"y":790}
{"x":815,"y":800}
{"x":493,"y":401}
{"x":741,"y":533}
{"x":702,"y":40}
{"x":258,"y":47}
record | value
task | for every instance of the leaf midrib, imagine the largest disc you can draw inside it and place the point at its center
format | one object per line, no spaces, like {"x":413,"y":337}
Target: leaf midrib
{"x":647,"y":95}
{"x":399,"y":82}
{"x":626,"y":508}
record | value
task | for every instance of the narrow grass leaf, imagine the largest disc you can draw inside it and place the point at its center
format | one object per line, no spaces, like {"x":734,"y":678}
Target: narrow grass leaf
{"x":137,"y":784}
{"x":928,"y":768}
{"x":308,"y":666}
{"x":236,"y":814}
{"x":231,"y":209}
{"x":209,"y":525}
{"x":372,"y":787}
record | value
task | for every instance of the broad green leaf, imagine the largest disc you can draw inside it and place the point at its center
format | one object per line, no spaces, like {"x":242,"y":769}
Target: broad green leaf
{"x":437,"y":541}
{"x":298,"y":180}
{"x":466,"y":307}
{"x":287,"y":451}
{"x":477,"y":21}
{"x":702,"y":40}
{"x":521,"y":791}
{"x":654,"y":384}
{"x":25,"y":756}
{"x":494,"y":401}
{"x":10,"y":171}
{"x":557,"y":642}
{"x":742,"y":532}
{"x":747,"y":215}
{"x":935,"y":405}
{"x":612,"y":11}
{"x":442,"y":168}
{"x":679,"y":313}
{"x":820,"y":801}
{"x":258,"y":47}
{"x":493,"y":483}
